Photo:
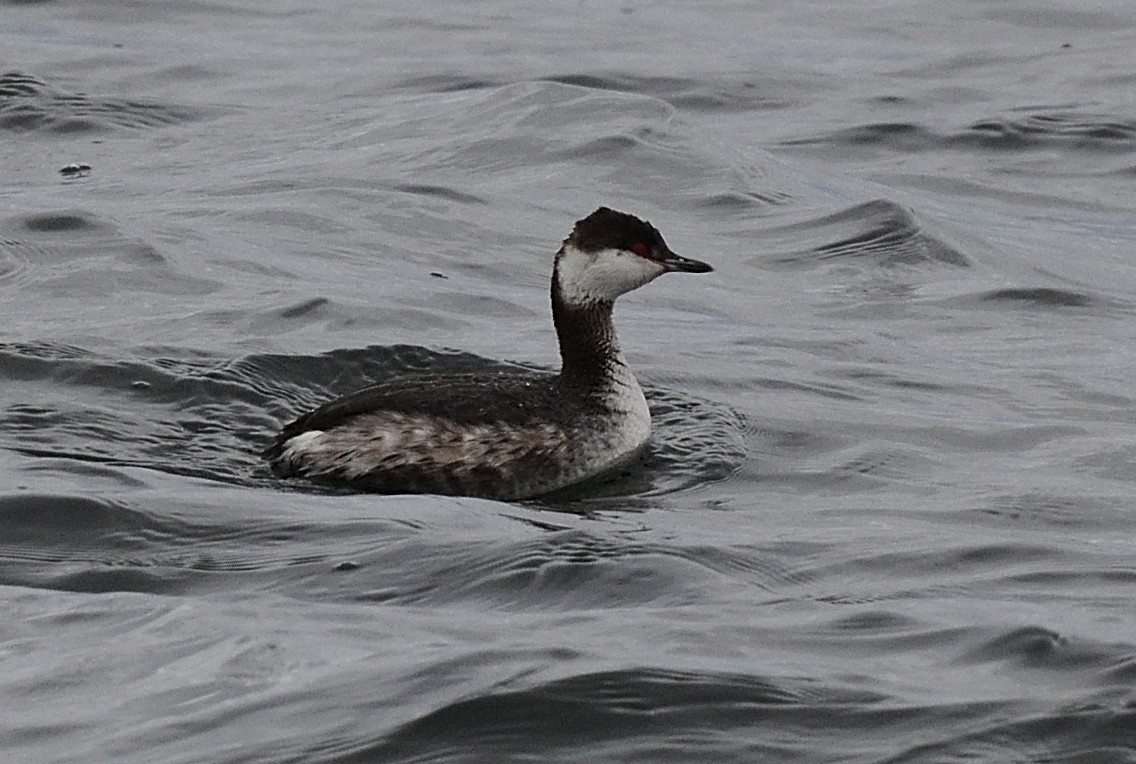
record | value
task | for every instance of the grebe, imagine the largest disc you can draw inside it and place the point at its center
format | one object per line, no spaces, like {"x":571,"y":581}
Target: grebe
{"x":504,"y":436}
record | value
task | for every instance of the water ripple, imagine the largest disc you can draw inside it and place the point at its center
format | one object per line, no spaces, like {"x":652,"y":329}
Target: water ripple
{"x":29,"y":104}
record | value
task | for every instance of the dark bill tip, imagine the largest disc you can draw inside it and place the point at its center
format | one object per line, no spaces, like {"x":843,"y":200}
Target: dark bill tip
{"x":678,"y":263}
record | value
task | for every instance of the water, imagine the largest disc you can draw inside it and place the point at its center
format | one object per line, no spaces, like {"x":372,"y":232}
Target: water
{"x":887,"y":513}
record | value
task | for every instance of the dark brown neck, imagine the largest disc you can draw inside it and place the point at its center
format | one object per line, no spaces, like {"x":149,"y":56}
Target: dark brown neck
{"x":589,"y":349}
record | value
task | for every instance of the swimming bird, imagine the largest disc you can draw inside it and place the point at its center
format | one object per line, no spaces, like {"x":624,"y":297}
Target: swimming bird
{"x":504,"y":436}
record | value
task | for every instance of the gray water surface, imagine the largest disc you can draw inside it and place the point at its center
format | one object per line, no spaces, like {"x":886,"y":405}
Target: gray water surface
{"x":886,"y":516}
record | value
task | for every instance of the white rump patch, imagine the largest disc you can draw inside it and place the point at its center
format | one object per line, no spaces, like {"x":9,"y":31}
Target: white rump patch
{"x":298,"y":445}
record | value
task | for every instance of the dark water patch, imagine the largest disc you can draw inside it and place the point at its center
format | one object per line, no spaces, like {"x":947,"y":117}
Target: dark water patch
{"x":439,"y":192}
{"x":1042,"y":297}
{"x":1046,"y":299}
{"x":872,"y":622}
{"x":698,"y":95}
{"x":305,"y":308}
{"x":875,"y":378}
{"x":59,"y":222}
{"x":874,"y":632}
{"x":334,"y":316}
{"x":1063,"y":578}
{"x":49,"y":517}
{"x":884,"y":634}
{"x":1035,"y":647}
{"x":447,"y":83}
{"x":662,"y":87}
{"x":626,"y":83}
{"x":895,"y":136}
{"x":611,"y":147}
{"x":637,"y":714}
{"x":880,"y":232}
{"x":57,"y":226}
{"x":190,"y":74}
{"x":99,"y":580}
{"x":29,"y":104}
{"x":1051,"y":129}
{"x":742,"y":202}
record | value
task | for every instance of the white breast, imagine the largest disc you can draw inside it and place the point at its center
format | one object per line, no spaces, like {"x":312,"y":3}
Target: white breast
{"x":624,"y":435}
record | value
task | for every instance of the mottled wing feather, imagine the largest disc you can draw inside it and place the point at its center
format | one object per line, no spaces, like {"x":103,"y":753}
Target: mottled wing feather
{"x":390,"y":452}
{"x":465,"y":400}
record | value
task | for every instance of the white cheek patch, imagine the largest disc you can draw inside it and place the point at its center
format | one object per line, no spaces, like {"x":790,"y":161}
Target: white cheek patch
{"x":603,"y":275}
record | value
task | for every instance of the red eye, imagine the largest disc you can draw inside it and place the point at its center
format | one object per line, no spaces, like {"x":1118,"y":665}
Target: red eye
{"x":642,"y":250}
